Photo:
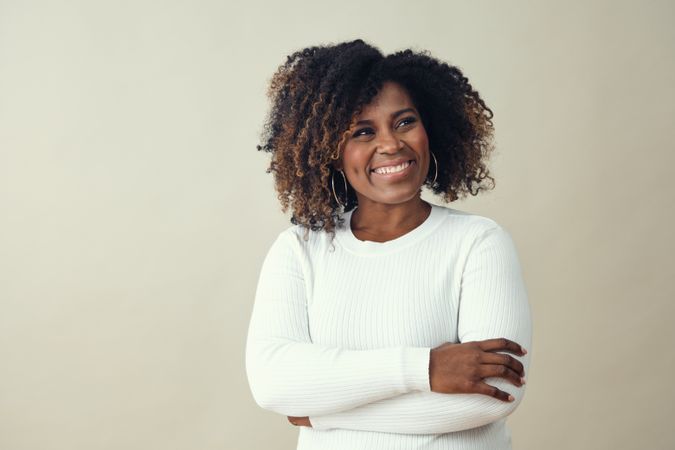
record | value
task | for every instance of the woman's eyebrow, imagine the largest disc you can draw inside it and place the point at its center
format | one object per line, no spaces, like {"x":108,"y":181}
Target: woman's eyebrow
{"x":394,"y":114}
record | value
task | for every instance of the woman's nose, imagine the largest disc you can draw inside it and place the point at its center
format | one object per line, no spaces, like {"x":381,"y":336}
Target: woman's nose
{"x":387,"y":142}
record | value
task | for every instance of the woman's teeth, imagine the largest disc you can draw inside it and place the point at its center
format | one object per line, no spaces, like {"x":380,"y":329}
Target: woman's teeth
{"x":392,"y":169}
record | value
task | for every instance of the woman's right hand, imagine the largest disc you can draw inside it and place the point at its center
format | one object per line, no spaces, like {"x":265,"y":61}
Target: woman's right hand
{"x":460,"y":368}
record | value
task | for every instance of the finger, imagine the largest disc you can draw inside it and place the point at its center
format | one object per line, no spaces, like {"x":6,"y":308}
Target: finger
{"x":498,"y":370}
{"x":504,"y":359}
{"x":486,"y":389}
{"x":501,"y":344}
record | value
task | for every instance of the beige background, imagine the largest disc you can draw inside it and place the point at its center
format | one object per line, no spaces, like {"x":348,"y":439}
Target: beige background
{"x":136,"y":210}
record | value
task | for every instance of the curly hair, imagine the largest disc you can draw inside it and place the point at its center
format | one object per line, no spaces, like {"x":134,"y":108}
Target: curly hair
{"x":315,"y":98}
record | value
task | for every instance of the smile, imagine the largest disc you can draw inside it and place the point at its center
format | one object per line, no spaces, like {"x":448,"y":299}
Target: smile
{"x":393,"y":169}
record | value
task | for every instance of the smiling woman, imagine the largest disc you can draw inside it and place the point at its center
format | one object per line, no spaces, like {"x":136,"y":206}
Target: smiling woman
{"x":323,"y":105}
{"x":386,"y":159}
{"x":380,"y":320}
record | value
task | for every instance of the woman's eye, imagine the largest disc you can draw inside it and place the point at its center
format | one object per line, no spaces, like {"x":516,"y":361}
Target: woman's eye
{"x":368,"y":130}
{"x":362,"y":132}
{"x":406,"y":121}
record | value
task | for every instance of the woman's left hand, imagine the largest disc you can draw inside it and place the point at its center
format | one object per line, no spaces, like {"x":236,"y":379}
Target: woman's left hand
{"x":300,"y":421}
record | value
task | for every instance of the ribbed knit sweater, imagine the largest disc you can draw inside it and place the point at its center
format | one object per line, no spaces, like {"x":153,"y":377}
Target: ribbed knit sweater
{"x":341,"y":331}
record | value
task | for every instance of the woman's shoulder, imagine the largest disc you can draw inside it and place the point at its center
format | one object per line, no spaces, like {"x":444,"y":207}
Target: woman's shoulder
{"x":301,"y":237}
{"x":479,"y":232}
{"x":465,"y":223}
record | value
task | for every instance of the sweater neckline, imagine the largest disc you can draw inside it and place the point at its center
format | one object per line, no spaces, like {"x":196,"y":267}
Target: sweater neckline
{"x":348,"y":240}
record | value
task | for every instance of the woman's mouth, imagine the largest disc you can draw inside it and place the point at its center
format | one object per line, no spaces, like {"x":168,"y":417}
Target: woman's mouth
{"x":394,"y":171}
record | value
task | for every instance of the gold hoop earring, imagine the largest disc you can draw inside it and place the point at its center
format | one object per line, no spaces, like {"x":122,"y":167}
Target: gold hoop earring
{"x":332,"y":185}
{"x":435,"y":168}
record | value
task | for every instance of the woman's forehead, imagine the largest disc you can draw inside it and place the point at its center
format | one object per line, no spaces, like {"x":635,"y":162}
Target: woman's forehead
{"x":391,"y":97}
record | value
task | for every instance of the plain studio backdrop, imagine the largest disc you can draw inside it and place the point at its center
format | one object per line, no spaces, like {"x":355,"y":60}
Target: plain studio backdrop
{"x":136,"y":211}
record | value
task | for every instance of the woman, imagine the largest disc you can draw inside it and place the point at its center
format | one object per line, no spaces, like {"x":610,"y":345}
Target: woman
{"x":382,"y":321}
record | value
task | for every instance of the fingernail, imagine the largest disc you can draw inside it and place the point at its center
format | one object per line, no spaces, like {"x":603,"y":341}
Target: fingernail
{"x":522,"y":380}
{"x":524,"y":352}
{"x":511,"y":398}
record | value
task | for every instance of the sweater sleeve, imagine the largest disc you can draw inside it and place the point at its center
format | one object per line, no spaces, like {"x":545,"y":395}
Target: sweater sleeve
{"x":493,"y":303}
{"x":290,"y":375}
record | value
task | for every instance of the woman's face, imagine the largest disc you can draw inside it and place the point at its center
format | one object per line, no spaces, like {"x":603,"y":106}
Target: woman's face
{"x":386,"y":155}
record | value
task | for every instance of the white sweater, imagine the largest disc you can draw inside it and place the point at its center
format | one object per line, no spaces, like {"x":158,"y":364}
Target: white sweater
{"x":342,"y":333}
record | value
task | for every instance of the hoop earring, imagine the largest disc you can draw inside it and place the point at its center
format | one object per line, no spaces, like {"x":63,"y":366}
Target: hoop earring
{"x":435,"y":168}
{"x":332,"y":185}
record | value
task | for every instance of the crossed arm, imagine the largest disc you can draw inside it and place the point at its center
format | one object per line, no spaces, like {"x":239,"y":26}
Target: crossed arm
{"x":382,"y":389}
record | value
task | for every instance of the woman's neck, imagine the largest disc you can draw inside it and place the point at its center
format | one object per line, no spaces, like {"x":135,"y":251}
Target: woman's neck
{"x":381,"y":222}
